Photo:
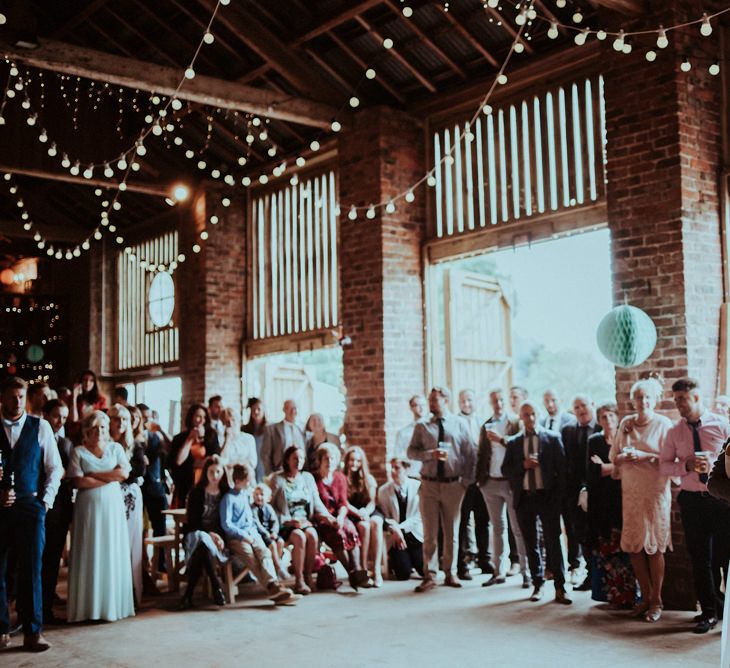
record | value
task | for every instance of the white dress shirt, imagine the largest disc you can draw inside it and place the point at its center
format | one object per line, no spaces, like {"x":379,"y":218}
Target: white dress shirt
{"x":49,"y":451}
{"x":402,"y":441}
{"x":498,"y":425}
{"x":535,"y":449}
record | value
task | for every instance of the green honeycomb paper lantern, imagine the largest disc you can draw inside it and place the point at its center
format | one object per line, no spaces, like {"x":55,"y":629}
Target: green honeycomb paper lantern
{"x":34,"y":353}
{"x":626,"y":336}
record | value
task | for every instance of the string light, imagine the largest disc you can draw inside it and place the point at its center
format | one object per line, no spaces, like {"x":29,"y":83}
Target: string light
{"x":706,"y":26}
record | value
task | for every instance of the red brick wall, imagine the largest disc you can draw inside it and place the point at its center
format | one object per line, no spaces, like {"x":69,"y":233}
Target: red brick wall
{"x":212,"y":306}
{"x":381,"y":277}
{"x":662,"y":163}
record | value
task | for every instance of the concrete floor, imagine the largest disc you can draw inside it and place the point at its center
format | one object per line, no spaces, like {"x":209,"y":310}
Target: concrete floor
{"x":386,"y":627}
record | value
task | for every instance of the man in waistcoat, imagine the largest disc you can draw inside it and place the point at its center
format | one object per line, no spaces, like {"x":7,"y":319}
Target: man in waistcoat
{"x":31,"y":475}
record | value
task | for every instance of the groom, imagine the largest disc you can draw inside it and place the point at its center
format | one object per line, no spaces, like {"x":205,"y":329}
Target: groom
{"x":31,"y":475}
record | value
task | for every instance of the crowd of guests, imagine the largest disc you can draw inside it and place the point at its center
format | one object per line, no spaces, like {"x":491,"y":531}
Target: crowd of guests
{"x":288,"y":502}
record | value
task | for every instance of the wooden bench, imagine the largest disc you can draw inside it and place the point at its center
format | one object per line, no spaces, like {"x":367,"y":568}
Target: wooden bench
{"x":166,"y":545}
{"x":230,"y":582}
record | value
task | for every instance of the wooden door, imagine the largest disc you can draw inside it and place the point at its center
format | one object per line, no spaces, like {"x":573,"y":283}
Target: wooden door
{"x":478,"y":335}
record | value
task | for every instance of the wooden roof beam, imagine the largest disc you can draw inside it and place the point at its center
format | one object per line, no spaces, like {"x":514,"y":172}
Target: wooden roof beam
{"x":378,"y":79}
{"x":502,"y":19}
{"x":80,"y":17}
{"x":632,"y":7}
{"x":471,"y":39}
{"x":426,"y":39}
{"x":349,"y":14}
{"x":397,"y":55}
{"x":132,"y":73}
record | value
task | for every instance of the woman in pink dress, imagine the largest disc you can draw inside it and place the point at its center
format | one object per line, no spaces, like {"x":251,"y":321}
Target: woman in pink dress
{"x":647,"y":500}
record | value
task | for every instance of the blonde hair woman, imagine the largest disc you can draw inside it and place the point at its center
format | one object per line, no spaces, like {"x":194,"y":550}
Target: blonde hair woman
{"x":100,"y":573}
{"x":120,"y":430}
{"x":645,"y":494}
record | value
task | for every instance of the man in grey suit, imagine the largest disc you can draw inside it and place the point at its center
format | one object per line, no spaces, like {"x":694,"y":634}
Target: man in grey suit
{"x":534,"y":462}
{"x":399,"y":501}
{"x":447,"y":451}
{"x":279,"y":436}
{"x":555,"y":419}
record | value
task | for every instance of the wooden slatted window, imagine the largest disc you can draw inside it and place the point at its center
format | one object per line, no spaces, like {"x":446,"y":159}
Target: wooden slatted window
{"x":145,"y":336}
{"x":293,"y":234}
{"x":544,"y":153}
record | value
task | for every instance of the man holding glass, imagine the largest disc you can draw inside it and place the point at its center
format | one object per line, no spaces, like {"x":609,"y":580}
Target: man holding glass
{"x":447,"y":452}
{"x":691,"y":448}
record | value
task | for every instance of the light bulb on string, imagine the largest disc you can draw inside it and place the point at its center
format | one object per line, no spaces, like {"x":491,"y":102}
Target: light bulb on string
{"x":86,"y":245}
{"x":390,"y":207}
{"x":53,"y":150}
{"x":410,"y":196}
{"x":301,"y":161}
{"x":493,"y":3}
{"x":43,"y":137}
{"x":521,"y":18}
{"x":627,"y":48}
{"x":352,"y":214}
{"x":519,"y":47}
{"x":686,"y":66}
{"x":553,"y":32}
{"x":156,"y":130}
{"x":228,"y":178}
{"x":502,"y":79}
{"x":531,"y":13}
{"x":387,"y":43}
{"x":407,"y":12}
{"x":75,"y":168}
{"x":242,"y":161}
{"x":714,"y":69}
{"x":580,"y":38}
{"x":25,"y":103}
{"x":122,"y":162}
{"x":370,"y":213}
{"x":225,"y":2}
{"x":141,"y":150}
{"x":662,"y":41}
{"x":431,"y":181}
{"x":108,"y":171}
{"x":122,"y":186}
{"x":706,"y":26}
{"x":136,"y":166}
{"x":601,"y":35}
{"x":577,"y":17}
{"x":370,"y":73}
{"x":294,"y":180}
{"x":354,"y":102}
{"x":651,"y":55}
{"x":618,"y":43}
{"x":246,"y":181}
{"x":189,"y":73}
{"x":32,"y":119}
{"x":336,"y":126}
{"x":314,"y":145}
{"x":208,"y":37}
{"x":263,"y":179}
{"x":2,"y":120}
{"x":487,"y":109}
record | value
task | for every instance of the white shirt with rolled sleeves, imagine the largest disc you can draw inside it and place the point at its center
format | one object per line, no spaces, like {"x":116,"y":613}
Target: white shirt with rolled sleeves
{"x":49,"y":451}
{"x":462,"y":452}
{"x":402,"y":441}
{"x":714,"y":431}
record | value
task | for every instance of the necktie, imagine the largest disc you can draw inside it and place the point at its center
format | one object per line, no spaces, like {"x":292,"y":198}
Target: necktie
{"x":697,"y":445}
{"x":441,"y":466}
{"x":531,"y":477}
{"x":550,"y":425}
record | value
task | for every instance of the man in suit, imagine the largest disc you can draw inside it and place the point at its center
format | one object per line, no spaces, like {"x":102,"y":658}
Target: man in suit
{"x":535,"y":464}
{"x":58,"y":518}
{"x":517,"y":394}
{"x":279,"y":436}
{"x":473,"y":503}
{"x":31,"y":475}
{"x":496,"y":489}
{"x":215,"y":406}
{"x":575,"y":441}
{"x":555,"y":419}
{"x":418,"y":406}
{"x":399,"y":501}
{"x":447,"y":452}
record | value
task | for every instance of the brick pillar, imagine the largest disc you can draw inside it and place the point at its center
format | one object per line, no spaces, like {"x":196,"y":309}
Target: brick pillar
{"x":212,"y":302}
{"x":381,"y":277}
{"x":663,"y":158}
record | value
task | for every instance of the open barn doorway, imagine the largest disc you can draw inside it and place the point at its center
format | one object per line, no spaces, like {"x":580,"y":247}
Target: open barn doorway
{"x":523,"y":316}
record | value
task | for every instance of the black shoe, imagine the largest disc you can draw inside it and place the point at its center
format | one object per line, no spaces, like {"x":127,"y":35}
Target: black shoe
{"x":487,"y":568}
{"x":494,"y":580}
{"x":705,"y":624}
{"x":218,"y":596}
{"x":186,"y":602}
{"x":560,"y":597}
{"x":585,"y":585}
{"x":464,"y":575}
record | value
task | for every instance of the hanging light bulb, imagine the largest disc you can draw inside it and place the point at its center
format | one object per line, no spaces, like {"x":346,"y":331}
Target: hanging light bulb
{"x":487,"y":109}
{"x":352,"y":214}
{"x":354,"y":102}
{"x":410,"y":197}
{"x":156,"y":130}
{"x":627,"y":47}
{"x":370,"y":213}
{"x":314,"y":145}
{"x":141,"y":150}
{"x":390,"y":207}
{"x":387,"y":43}
{"x":370,"y":73}
{"x":714,"y":69}
{"x":706,"y":27}
{"x":519,"y":47}
{"x":86,"y":245}
{"x":122,"y":186}
{"x":208,"y":37}
{"x":662,"y":41}
{"x":407,"y":12}
{"x":553,"y":32}
{"x":108,"y":171}
{"x":176,"y":104}
{"x":521,"y":18}
{"x":32,"y":119}
{"x":651,"y":56}
{"x":65,"y":162}
{"x":136,"y":166}
{"x":43,"y":137}
{"x":577,"y":17}
{"x":301,"y":161}
{"x":580,"y":38}
{"x":618,"y":43}
{"x":502,"y":79}
{"x":76,"y":168}
{"x":686,"y":66}
{"x":246,"y":181}
{"x":336,"y":126}
{"x":190,"y":73}
{"x":431,"y":181}
{"x":52,"y":150}
{"x":601,"y":35}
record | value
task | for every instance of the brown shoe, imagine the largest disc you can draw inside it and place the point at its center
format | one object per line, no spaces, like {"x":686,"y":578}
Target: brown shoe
{"x":451,"y":581}
{"x":4,"y":640}
{"x":35,"y":642}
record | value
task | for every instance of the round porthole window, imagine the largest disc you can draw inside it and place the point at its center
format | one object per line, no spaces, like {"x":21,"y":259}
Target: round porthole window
{"x":161,"y":299}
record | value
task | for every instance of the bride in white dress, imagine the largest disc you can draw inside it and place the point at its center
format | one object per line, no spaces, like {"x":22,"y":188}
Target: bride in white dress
{"x":100,"y":571}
